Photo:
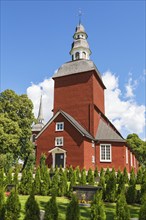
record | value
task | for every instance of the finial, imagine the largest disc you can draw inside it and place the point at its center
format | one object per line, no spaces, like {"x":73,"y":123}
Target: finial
{"x":80,"y":16}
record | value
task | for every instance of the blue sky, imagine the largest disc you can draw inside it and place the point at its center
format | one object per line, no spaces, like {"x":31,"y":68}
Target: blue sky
{"x":36,"y":38}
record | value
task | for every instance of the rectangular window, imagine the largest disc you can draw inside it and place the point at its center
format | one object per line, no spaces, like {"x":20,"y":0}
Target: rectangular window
{"x":59,"y":141}
{"x":93,"y":159}
{"x":126,"y":155}
{"x":105,"y":153}
{"x":59,"y":126}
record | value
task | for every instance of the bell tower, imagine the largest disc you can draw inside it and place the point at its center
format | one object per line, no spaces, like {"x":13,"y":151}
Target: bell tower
{"x":80,"y":47}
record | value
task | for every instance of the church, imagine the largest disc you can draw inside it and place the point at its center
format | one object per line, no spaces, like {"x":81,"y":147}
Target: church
{"x":79,"y":133}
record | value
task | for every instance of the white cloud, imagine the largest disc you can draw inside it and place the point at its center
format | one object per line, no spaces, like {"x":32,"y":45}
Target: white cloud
{"x":130,"y":87}
{"x":46,"y":88}
{"x":127,"y":116}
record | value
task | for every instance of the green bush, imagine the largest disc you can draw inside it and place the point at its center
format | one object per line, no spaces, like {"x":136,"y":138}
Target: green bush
{"x":73,"y":211}
{"x":122,"y":211}
{"x":13,"y":206}
{"x":97,"y":208}
{"x":142,"y":213}
{"x":32,"y":211}
{"x":51,"y":209}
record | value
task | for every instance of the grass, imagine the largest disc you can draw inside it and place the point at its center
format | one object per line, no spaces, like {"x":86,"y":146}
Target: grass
{"x":85,"y":211}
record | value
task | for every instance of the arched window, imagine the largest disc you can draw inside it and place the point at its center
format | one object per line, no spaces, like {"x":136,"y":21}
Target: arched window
{"x":84,"y":55}
{"x":77,"y":55}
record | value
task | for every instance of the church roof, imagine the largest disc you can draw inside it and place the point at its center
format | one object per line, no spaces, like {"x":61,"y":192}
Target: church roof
{"x":77,"y":66}
{"x":106,"y":133}
{"x":69,"y":118}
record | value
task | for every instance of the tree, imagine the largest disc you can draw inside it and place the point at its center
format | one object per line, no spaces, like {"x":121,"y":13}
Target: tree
{"x":142,"y":212}
{"x":2,"y":203}
{"x":102,"y":185}
{"x":55,"y":185}
{"x":139,"y":176}
{"x":73,"y":211}
{"x":90,"y":177}
{"x":111,"y":187}
{"x":63,"y":186}
{"x":9,"y":177}
{"x":119,"y":174}
{"x":72,"y":183}
{"x":125,"y":176}
{"x":37,"y":182}
{"x":70,"y":173}
{"x":121,"y":186}
{"x":77,"y":174}
{"x":16,"y":118}
{"x":96,"y":173}
{"x":83,"y":177}
{"x":15,"y":177}
{"x":45,"y":181}
{"x":25,"y":186}
{"x":122,"y":211}
{"x":13,"y":206}
{"x":138,"y":146}
{"x":32,"y":211}
{"x":97,"y":208}
{"x":51,"y":209}
{"x":131,"y":192}
{"x":107,"y":175}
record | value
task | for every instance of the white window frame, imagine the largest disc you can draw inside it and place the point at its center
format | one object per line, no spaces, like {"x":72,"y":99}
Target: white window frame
{"x":93,"y":159}
{"x":58,"y":124}
{"x":126,"y":155}
{"x":105,"y":146}
{"x":59,"y":141}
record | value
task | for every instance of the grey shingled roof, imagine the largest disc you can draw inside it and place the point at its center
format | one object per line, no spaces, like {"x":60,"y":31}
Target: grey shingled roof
{"x":77,"y":66}
{"x":105,"y":132}
{"x":77,"y":125}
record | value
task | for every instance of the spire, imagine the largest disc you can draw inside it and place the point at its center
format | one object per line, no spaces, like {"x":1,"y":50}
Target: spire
{"x":40,"y":114}
{"x":80,"y":47}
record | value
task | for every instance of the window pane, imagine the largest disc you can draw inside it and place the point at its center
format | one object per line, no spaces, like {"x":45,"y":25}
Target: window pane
{"x":102,"y":152}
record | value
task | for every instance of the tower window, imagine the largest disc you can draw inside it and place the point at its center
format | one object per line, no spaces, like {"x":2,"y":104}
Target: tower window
{"x":77,"y":55}
{"x":59,"y":126}
{"x":59,"y":141}
{"x":84,"y":55}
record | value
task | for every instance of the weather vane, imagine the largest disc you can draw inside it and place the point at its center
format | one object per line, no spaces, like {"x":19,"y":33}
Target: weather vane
{"x":80,"y":15}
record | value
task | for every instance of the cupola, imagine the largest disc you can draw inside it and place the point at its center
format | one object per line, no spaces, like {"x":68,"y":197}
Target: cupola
{"x":80,"y":47}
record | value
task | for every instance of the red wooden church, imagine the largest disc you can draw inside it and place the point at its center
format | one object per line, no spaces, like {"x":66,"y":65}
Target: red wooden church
{"x":79,"y":133}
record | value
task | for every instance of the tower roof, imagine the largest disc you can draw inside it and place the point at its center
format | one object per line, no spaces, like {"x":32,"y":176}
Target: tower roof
{"x":80,"y":47}
{"x":39,"y":125}
{"x":76,"y":67}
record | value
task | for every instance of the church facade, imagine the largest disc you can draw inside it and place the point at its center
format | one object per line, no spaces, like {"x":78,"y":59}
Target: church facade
{"x":79,"y":133}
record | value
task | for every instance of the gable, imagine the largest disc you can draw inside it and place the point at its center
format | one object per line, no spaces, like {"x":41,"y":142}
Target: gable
{"x":71,"y":120}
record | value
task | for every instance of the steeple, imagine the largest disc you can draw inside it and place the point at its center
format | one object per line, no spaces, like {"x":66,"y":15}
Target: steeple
{"x":80,"y":47}
{"x":40,"y":114}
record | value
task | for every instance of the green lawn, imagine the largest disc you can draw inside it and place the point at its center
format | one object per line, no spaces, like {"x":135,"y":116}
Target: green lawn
{"x":85,"y":211}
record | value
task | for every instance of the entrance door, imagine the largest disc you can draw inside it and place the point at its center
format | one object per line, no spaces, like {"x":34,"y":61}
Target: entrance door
{"x":59,"y":160}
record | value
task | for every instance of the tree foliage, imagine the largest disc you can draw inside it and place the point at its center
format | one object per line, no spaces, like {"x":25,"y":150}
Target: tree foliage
{"x":138,"y":146}
{"x":51,"y":209}
{"x":73,"y":211}
{"x":122,"y":211}
{"x":16,"y":118}
{"x":97,"y":208}
{"x":13,"y":206}
{"x":32,"y":211}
